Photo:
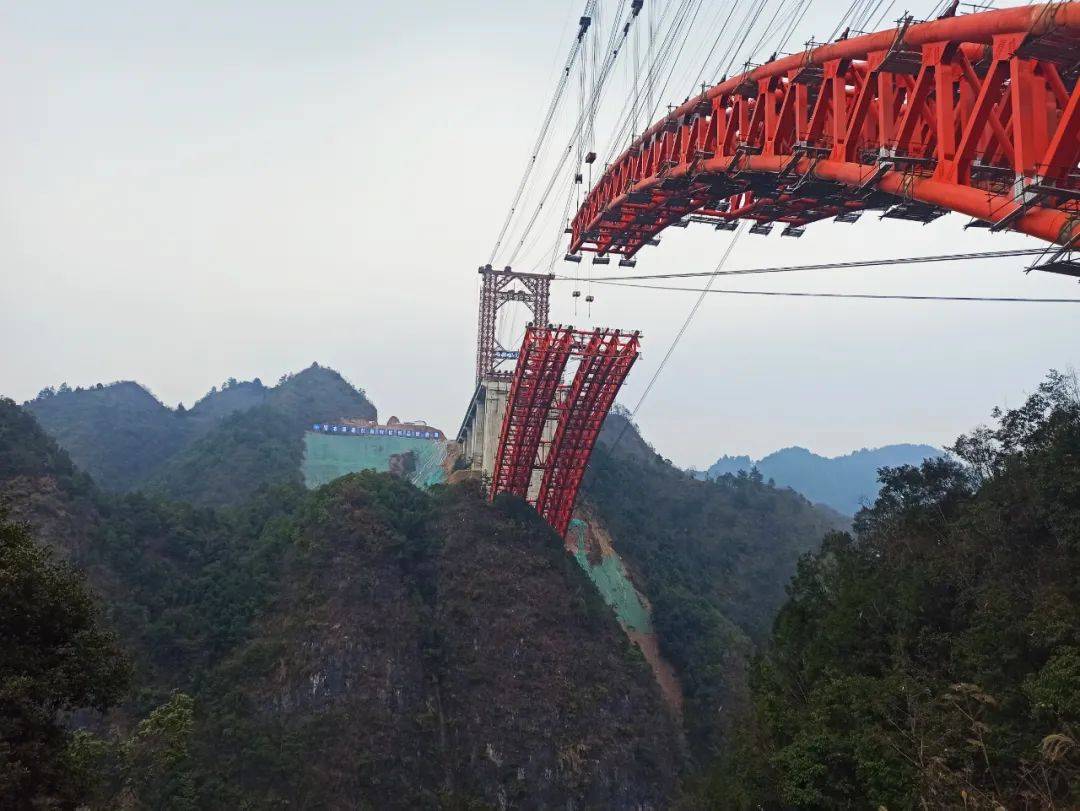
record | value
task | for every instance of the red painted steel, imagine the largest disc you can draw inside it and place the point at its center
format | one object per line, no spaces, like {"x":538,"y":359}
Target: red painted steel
{"x":541,"y":360}
{"x":978,"y":114}
{"x":606,"y":360}
{"x":576,"y":413}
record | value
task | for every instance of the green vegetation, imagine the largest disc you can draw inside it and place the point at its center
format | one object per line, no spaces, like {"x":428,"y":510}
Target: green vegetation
{"x":712,"y":557}
{"x":26,"y":452}
{"x":932,"y":658}
{"x":366,"y":643}
{"x":246,"y":451}
{"x":56,"y":658}
{"x":375,"y":645}
{"x":233,"y":441}
{"x":119,"y":433}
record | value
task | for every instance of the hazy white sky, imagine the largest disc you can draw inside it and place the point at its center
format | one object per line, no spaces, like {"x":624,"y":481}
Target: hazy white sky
{"x":197,"y":190}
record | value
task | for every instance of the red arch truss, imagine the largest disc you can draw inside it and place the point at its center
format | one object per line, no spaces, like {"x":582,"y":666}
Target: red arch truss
{"x":552,"y":428}
{"x":978,"y":114}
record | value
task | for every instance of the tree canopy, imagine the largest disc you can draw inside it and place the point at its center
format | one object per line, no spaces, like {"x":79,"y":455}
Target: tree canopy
{"x":56,"y":658}
{"x":932,"y":657}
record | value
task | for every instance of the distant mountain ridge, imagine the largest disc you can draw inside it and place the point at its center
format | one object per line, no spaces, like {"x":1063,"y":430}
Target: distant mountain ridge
{"x":127,"y":439}
{"x":845,"y":483}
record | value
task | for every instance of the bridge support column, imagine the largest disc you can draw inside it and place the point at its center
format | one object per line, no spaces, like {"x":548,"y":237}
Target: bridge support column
{"x":479,"y":433}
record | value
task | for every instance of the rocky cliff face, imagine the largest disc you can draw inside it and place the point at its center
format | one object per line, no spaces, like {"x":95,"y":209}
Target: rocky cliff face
{"x":463,"y":658}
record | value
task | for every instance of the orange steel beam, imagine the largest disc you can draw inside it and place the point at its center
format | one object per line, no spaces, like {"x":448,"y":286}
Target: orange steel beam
{"x":978,"y":114}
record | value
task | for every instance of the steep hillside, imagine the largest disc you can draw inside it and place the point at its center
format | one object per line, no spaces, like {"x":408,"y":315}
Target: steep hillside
{"x":457,"y":654}
{"x":932,"y":658}
{"x":713,"y":557}
{"x":364,"y":645}
{"x":258,"y":447}
{"x":845,"y":483}
{"x":119,"y":433}
{"x":246,"y":451}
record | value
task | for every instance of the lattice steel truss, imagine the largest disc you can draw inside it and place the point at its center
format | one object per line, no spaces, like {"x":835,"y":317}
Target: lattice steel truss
{"x":498,"y":288}
{"x":978,"y":114}
{"x":572,"y":415}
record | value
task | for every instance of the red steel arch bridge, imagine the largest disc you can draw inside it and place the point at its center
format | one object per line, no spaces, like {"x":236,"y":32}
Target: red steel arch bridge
{"x":977,"y":114}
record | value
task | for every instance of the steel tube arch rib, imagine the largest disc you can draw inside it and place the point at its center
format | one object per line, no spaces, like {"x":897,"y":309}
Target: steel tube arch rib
{"x":978,"y":114}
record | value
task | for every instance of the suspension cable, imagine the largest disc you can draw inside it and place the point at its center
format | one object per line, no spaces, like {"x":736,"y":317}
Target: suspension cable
{"x":859,"y":263}
{"x":878,"y":296}
{"x":612,"y":53}
{"x":682,"y":330}
{"x":545,"y":127}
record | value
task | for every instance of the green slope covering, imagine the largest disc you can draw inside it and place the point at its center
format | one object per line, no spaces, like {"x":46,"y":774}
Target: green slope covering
{"x":611,"y":580}
{"x":327,"y":457}
{"x":932,"y":659}
{"x":711,"y":556}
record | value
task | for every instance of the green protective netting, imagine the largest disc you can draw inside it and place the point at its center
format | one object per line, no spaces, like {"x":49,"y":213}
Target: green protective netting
{"x":610,"y":578}
{"x":327,"y":457}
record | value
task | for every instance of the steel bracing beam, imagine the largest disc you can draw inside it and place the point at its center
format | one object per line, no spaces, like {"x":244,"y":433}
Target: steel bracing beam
{"x":978,"y":114}
{"x":574,"y":414}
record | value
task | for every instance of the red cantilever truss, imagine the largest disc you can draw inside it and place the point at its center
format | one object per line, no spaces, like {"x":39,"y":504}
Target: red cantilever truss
{"x":978,"y":114}
{"x":537,"y":400}
{"x":541,"y":360}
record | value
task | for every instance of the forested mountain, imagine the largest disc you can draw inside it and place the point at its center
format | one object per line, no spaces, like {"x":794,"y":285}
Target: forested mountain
{"x":119,"y":433}
{"x":713,"y":557}
{"x":364,"y":645}
{"x":234,"y":395}
{"x":931,"y":659}
{"x":229,"y":463}
{"x":371,"y":644}
{"x":845,"y":483}
{"x":248,"y":449}
{"x":231,"y":442}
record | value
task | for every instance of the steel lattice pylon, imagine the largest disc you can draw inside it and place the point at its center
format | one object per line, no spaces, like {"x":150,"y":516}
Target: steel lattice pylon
{"x":497,"y":288}
{"x":573,"y":415}
{"x":978,"y":114}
